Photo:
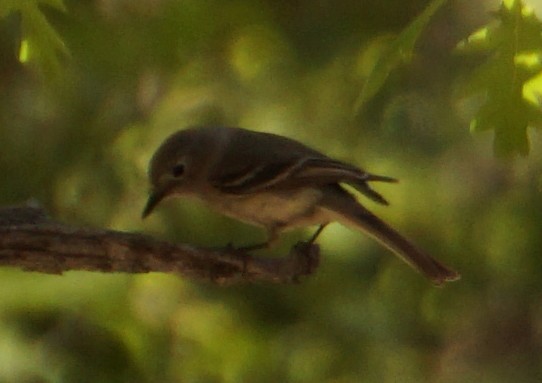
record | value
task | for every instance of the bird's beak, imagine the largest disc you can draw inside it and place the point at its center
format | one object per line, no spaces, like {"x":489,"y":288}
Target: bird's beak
{"x":155,"y":197}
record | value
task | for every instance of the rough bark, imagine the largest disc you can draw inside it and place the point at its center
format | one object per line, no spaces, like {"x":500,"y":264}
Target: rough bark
{"x":29,"y":240}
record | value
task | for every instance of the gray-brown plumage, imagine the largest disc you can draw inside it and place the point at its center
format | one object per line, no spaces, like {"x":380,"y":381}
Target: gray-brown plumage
{"x":276,"y":183}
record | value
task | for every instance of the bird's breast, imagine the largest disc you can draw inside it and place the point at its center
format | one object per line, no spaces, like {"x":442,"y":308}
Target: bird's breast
{"x":274,"y":208}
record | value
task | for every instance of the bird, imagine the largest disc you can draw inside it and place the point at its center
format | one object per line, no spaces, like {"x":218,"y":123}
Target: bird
{"x":276,"y":183}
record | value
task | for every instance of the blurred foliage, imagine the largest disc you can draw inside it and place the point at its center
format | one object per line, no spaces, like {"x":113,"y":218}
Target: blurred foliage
{"x":513,"y":45}
{"x":400,"y":50}
{"x":89,"y":89}
{"x":40,"y":44}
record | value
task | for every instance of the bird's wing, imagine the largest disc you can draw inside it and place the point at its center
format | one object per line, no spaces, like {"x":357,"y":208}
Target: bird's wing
{"x":327,"y":171}
{"x":281,"y":162}
{"x":246,"y":168}
{"x":254,"y":177}
{"x":301,"y":172}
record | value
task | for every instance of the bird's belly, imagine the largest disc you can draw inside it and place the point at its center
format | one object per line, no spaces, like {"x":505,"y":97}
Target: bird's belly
{"x":281,"y":209}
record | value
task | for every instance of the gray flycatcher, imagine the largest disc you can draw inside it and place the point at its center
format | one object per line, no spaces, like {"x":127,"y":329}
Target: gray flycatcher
{"x":277,"y":183}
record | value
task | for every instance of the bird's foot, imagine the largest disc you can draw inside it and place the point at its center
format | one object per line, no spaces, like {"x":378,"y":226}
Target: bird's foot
{"x":243,"y":252}
{"x":306,"y":259}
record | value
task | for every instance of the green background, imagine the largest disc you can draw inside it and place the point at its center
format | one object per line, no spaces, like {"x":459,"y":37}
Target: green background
{"x":85,"y":103}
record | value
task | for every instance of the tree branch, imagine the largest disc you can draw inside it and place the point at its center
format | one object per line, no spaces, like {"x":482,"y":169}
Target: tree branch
{"x":29,"y":240}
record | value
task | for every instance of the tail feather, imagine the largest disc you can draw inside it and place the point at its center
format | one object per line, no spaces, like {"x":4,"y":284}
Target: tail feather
{"x":352,"y":214}
{"x":406,"y":250}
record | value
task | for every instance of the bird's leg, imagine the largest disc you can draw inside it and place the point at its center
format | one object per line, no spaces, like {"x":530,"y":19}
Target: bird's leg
{"x":317,"y":233}
{"x":308,"y":247}
{"x":256,"y":246}
{"x":272,"y":238}
{"x":309,"y":253}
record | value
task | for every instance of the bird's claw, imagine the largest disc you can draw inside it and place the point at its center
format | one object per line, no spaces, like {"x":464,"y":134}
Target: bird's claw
{"x":306,"y":259}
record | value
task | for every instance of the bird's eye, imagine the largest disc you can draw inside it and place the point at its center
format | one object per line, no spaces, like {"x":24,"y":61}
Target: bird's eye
{"x":178,"y":170}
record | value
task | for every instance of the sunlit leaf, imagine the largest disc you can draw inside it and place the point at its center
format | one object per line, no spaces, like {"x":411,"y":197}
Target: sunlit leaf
{"x":476,"y":42}
{"x":508,"y":77}
{"x":397,"y":53}
{"x":41,"y":45}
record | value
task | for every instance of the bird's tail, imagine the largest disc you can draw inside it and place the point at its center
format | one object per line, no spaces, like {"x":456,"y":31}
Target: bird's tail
{"x":356,"y":216}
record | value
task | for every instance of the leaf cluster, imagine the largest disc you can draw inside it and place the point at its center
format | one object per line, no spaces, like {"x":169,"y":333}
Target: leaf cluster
{"x":513,"y":46}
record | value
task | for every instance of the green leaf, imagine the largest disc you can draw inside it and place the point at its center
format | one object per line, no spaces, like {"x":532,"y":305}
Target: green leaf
{"x":41,"y":45}
{"x":398,"y":52}
{"x":509,"y":77}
